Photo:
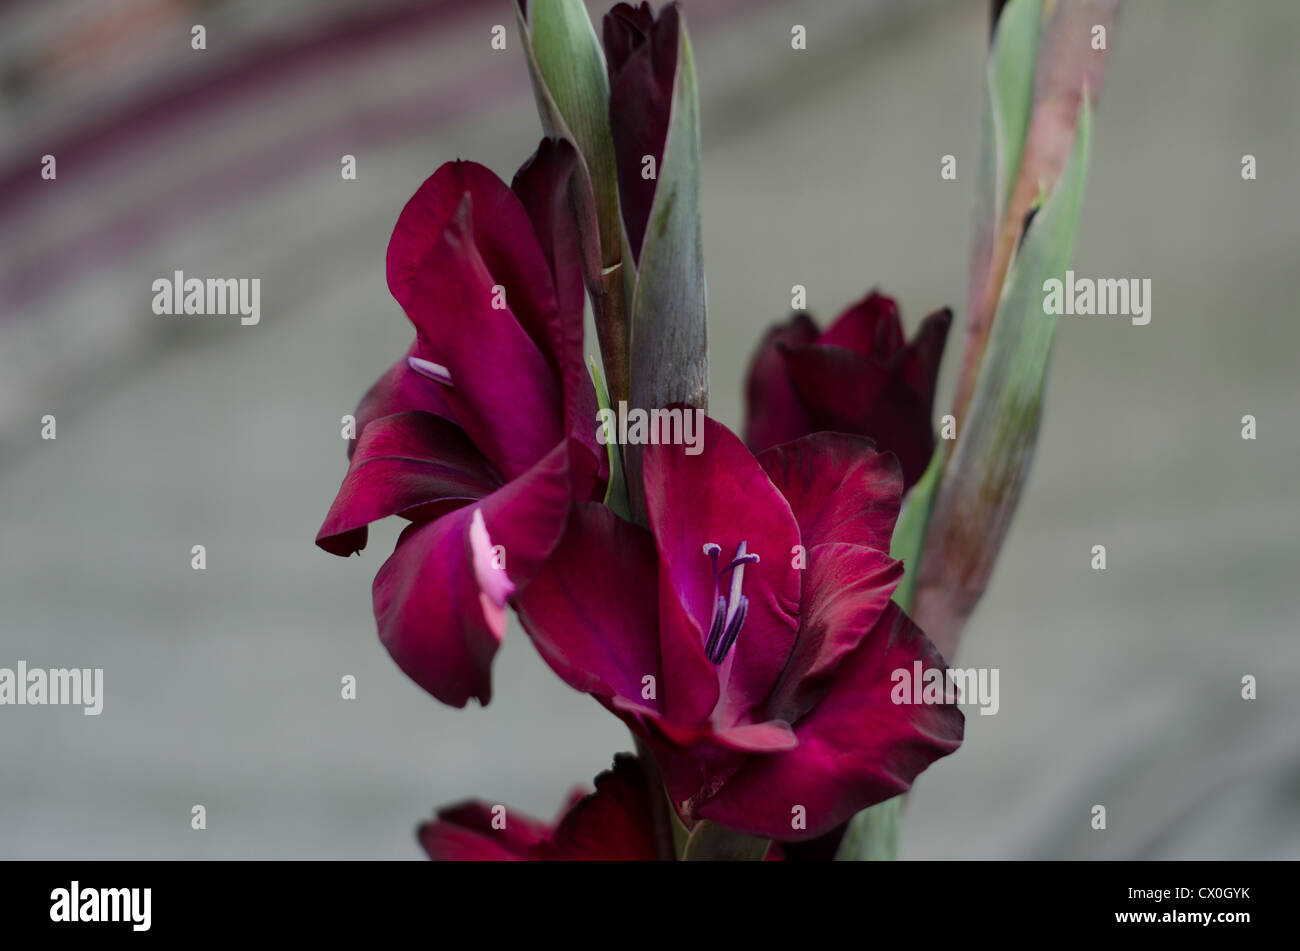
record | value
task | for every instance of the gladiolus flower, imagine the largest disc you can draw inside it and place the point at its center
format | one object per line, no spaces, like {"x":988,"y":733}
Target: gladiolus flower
{"x":482,"y":433}
{"x":857,"y":377}
{"x":612,"y":824}
{"x":641,"y":56}
{"x":749,"y":637}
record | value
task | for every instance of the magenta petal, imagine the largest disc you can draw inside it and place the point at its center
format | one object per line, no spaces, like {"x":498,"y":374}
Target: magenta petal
{"x":836,"y":386}
{"x":764,"y":737}
{"x":901,"y":418}
{"x":642,"y":57}
{"x":624,"y":29}
{"x":858,"y":377}
{"x":543,"y":186}
{"x":412,"y":464}
{"x":590,"y":610}
{"x":773,"y":414}
{"x":856,"y":748}
{"x":872,"y":327}
{"x":721,"y":496}
{"x":440,"y":617}
{"x":502,"y":233}
{"x":839,"y":488}
{"x":918,"y":364}
{"x":845,"y":590}
{"x":695,"y":761}
{"x":431,"y":614}
{"x":770,"y":736}
{"x":504,"y":393}
{"x":398,"y":390}
{"x":890,"y":402}
{"x":464,"y":833}
{"x":613,"y":824}
{"x":692,"y":690}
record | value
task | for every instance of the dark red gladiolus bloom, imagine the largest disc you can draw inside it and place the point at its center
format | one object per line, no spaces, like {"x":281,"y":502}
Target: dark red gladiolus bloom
{"x":482,"y":433}
{"x":641,"y":56}
{"x":750,"y":637}
{"x":612,"y":824}
{"x":858,"y":377}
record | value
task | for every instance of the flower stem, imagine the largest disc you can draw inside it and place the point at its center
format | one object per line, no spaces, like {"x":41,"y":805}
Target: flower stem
{"x":872,"y":836}
{"x":660,"y":809}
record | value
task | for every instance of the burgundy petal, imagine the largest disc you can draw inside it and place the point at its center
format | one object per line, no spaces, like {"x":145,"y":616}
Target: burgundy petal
{"x":834,"y":384}
{"x":625,"y":29}
{"x":695,"y":762}
{"x":543,"y":186}
{"x":773,"y":414}
{"x":641,"y":54}
{"x":691,"y":691}
{"x":856,"y":748}
{"x":889,"y":402}
{"x":845,"y":590}
{"x":613,"y":824}
{"x":503,"y":237}
{"x":720,"y":496}
{"x":902,"y":419}
{"x":849,"y":392}
{"x":398,"y":390}
{"x":439,"y":602}
{"x":872,"y":327}
{"x":762,"y":737}
{"x":464,"y":833}
{"x":839,"y":488}
{"x":590,"y":610}
{"x":412,"y":464}
{"x":918,"y":365}
{"x":503,"y":391}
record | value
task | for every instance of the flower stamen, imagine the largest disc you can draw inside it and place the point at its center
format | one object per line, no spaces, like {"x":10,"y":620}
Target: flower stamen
{"x":729,"y":612}
{"x":427,"y":368}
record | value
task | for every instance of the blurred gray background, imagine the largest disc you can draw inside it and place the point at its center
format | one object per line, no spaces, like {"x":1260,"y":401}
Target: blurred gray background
{"x":820,"y":167}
